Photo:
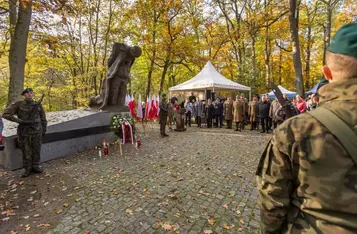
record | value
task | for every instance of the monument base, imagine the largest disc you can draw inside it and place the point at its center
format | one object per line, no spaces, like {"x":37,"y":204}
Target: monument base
{"x":68,"y":132}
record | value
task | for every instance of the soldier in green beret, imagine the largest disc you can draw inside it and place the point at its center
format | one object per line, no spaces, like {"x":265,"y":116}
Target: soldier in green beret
{"x":164,"y":108}
{"x":30,"y":131}
{"x":307,"y":176}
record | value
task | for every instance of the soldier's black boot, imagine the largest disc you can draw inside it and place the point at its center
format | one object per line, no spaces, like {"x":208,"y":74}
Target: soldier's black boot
{"x":26,"y":172}
{"x":37,"y":169}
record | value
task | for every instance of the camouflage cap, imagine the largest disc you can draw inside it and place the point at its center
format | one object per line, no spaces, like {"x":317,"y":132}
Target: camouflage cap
{"x":163,"y":95}
{"x":27,"y":90}
{"x":345,"y":41}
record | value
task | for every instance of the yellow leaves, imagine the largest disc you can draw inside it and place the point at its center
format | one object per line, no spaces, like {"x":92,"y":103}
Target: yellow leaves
{"x":36,"y":215}
{"x":207,"y":231}
{"x":27,"y":227}
{"x":225,"y":206}
{"x":65,"y":204}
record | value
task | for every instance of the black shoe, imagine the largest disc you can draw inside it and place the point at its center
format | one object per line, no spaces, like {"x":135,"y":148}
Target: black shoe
{"x":236,"y":130}
{"x":37,"y":169}
{"x":262,"y":131}
{"x":26,"y":173}
{"x":165,"y":135}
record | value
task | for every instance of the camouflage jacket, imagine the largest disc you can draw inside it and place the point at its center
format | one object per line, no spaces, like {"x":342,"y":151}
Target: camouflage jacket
{"x":307,"y":182}
{"x":23,"y":110}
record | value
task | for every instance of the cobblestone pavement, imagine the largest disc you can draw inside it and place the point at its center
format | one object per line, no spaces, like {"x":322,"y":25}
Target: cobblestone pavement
{"x":199,"y":181}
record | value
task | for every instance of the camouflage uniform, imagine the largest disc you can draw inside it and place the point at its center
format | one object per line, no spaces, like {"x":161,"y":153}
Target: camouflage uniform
{"x":29,"y":141}
{"x":164,"y":107}
{"x":307,"y":181}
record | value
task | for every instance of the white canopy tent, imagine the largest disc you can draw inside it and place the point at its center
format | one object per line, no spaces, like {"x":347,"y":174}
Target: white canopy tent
{"x":209,"y":79}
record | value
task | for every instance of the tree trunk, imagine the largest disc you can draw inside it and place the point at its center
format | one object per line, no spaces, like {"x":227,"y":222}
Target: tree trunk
{"x":280,"y":64}
{"x":327,"y":30}
{"x":294,"y":31}
{"x":308,"y":57}
{"x":267,"y":58}
{"x":166,"y":66}
{"x":17,"y":55}
{"x":254,"y":61}
{"x":13,"y":17}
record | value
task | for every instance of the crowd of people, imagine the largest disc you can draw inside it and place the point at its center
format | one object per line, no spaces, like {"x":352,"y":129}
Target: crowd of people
{"x":262,"y":113}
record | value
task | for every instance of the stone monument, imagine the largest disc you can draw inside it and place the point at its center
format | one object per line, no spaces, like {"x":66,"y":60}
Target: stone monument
{"x":114,"y":86}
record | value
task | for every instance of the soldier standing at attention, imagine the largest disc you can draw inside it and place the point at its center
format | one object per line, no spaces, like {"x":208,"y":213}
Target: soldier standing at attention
{"x":307,"y":176}
{"x":30,"y":131}
{"x":164,"y":108}
{"x":228,"y":112}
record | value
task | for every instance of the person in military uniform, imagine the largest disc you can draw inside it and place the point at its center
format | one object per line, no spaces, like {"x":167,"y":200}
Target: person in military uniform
{"x":228,"y":112}
{"x":30,"y":131}
{"x":238,"y":113}
{"x":253,"y":113}
{"x":307,"y":177}
{"x":164,"y":108}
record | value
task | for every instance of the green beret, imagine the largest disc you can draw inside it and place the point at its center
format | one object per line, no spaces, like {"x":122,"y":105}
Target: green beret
{"x":27,"y":90}
{"x":345,"y":41}
{"x":163,"y":95}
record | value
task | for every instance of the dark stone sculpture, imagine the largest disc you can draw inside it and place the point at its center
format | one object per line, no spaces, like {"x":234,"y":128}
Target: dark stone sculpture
{"x":114,"y":86}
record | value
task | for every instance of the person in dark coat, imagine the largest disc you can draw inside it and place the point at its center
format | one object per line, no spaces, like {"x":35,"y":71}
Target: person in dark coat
{"x":164,"y":108}
{"x":218,"y":113}
{"x":263,"y":112}
{"x":209,"y":112}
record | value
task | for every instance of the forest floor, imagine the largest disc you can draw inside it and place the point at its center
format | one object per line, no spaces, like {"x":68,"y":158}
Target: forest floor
{"x":198,"y":181}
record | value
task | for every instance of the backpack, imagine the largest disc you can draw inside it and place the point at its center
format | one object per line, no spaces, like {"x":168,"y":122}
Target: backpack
{"x":339,"y":128}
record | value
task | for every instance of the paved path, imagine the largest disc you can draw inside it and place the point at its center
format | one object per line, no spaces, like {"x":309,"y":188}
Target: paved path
{"x":199,"y":181}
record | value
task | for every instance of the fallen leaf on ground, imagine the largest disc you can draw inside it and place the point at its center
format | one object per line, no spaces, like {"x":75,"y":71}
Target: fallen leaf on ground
{"x":203,"y":193}
{"x":26,"y":217}
{"x":241,"y":221}
{"x":36,"y":215}
{"x":46,"y":203}
{"x":13,"y":232}
{"x":85,"y":232}
{"x":211,"y":221}
{"x":240,"y":229}
{"x":6,"y":219}
{"x":128,"y":211}
{"x":226,"y":226}
{"x":168,"y":227}
{"x":238,"y":212}
{"x":44,"y":225}
{"x":10,"y":212}
{"x":173,"y":196}
{"x":65,"y":204}
{"x":225,"y":206}
{"x":27,"y":227}
{"x":207,"y":231}
{"x":58,"y":211}
{"x":33,"y":192}
{"x":21,"y":182}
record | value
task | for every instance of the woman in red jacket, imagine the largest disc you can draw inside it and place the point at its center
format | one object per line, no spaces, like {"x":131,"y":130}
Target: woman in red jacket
{"x":300,"y":104}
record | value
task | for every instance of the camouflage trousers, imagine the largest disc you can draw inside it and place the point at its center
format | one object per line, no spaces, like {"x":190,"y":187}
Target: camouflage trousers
{"x":31,"y":149}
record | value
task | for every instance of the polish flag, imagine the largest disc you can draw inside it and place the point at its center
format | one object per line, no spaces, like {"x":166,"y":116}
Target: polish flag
{"x":132,"y":105}
{"x":148,"y":107}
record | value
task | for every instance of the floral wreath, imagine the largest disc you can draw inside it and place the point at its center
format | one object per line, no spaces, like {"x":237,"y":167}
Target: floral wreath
{"x":118,"y":120}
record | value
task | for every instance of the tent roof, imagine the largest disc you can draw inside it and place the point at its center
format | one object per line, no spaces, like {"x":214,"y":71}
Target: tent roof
{"x":209,"y":78}
{"x":283,"y":90}
{"x":313,"y":90}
